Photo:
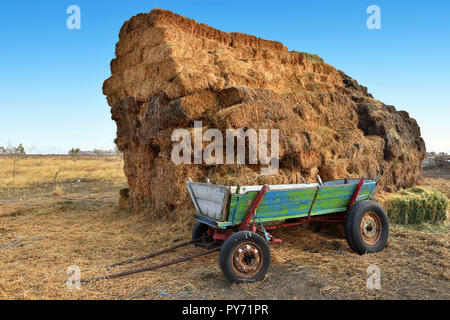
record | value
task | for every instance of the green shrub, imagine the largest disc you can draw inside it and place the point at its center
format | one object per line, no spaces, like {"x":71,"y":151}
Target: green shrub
{"x":417,"y":205}
{"x":313,"y":57}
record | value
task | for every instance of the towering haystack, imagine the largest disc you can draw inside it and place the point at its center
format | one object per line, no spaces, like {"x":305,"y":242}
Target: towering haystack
{"x":170,"y":71}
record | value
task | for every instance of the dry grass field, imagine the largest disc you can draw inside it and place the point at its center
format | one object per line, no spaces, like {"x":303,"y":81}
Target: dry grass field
{"x":45,"y":227}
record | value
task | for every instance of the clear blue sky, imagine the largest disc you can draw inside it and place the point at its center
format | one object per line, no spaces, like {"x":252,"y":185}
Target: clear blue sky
{"x":51,"y":77}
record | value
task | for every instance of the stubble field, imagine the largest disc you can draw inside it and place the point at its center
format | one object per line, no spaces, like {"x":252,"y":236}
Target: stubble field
{"x":48,"y":226}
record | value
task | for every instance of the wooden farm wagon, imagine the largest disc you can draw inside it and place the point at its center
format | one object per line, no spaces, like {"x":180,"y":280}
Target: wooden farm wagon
{"x":239,"y":218}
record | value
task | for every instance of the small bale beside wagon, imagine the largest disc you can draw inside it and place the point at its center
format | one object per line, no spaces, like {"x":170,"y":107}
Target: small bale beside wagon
{"x":417,"y":205}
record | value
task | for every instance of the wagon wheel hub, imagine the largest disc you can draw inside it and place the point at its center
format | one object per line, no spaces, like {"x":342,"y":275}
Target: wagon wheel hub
{"x":370,"y":228}
{"x":247,"y":258}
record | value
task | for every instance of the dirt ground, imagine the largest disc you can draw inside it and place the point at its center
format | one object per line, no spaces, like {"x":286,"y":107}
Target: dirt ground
{"x":42,"y":234}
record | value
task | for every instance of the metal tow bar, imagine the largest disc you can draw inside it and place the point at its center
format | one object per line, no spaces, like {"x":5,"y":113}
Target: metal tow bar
{"x":153,"y":267}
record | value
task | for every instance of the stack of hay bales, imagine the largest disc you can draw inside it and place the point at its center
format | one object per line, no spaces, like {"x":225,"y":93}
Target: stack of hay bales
{"x":417,"y":205}
{"x":170,"y":71}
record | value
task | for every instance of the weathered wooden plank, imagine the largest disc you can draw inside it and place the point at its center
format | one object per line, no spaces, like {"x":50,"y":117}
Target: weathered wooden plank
{"x":210,"y":200}
{"x":209,"y":192}
{"x":210,"y":208}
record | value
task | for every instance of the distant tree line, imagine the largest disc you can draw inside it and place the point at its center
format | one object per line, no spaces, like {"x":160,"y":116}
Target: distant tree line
{"x":94,"y":152}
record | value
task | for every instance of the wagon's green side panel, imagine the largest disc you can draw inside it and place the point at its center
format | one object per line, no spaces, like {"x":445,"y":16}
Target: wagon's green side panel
{"x":284,"y":204}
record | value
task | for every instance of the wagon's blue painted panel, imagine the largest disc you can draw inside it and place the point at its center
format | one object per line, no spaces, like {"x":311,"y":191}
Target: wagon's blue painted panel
{"x":332,"y":197}
{"x":282,"y":204}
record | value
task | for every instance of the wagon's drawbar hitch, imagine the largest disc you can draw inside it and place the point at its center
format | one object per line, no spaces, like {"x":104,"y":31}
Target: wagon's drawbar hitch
{"x":153,"y":267}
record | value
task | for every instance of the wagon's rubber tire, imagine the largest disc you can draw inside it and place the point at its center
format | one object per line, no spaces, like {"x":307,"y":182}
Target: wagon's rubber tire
{"x":200,"y":230}
{"x":366,"y":227}
{"x":244,"y":257}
